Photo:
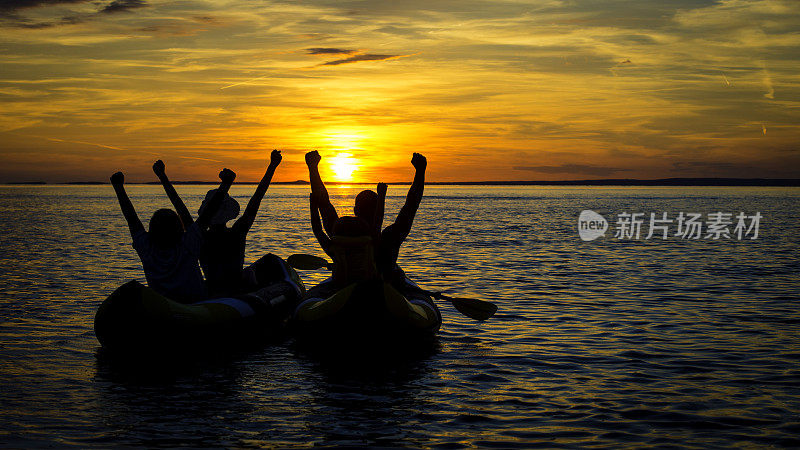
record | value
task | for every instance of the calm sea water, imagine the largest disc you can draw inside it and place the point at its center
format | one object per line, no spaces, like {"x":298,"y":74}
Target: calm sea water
{"x":606,"y":343}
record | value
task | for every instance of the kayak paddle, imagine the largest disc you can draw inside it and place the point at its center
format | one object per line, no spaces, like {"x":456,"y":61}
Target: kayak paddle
{"x":470,"y":307}
{"x":308,"y":262}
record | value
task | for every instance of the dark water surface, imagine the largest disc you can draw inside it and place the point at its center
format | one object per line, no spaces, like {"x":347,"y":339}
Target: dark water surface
{"x":605,"y":343}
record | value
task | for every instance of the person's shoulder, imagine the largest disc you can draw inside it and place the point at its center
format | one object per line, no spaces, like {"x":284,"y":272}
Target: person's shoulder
{"x":143,"y":245}
{"x":140,"y":238}
{"x":389,"y":229}
{"x":193,"y":237}
{"x":389,"y":234}
{"x":238,"y":225}
{"x":241,"y":227}
{"x":196,"y":231}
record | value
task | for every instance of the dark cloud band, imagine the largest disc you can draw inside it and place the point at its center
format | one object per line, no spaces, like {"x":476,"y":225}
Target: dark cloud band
{"x":358,"y":58}
{"x":123,"y":5}
{"x":329,"y":51}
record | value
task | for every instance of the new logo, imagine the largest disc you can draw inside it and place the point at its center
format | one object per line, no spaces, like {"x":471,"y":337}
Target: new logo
{"x":591,"y":225}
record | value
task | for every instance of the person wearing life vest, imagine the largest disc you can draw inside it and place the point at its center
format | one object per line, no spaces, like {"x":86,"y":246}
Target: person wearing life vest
{"x":393,"y":236}
{"x":352,"y":243}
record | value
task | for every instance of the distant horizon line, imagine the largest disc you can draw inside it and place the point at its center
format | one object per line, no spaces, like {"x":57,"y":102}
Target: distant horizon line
{"x":704,"y":181}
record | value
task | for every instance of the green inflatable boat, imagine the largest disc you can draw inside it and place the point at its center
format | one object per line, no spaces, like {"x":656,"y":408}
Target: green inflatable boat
{"x":366,"y":313}
{"x":135,"y":318}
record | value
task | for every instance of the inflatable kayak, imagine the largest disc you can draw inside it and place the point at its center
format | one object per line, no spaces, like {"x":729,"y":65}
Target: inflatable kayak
{"x":137,"y":318}
{"x":367,"y":312}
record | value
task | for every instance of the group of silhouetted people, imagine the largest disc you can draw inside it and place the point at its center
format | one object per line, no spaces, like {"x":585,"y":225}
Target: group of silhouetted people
{"x":176,"y":246}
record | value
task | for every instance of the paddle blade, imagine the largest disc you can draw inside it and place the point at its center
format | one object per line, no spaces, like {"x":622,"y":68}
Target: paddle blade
{"x":307,"y":262}
{"x":475,"y":309}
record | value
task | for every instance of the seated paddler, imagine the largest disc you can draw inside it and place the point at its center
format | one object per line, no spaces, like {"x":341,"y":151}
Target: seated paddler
{"x":357,"y":284}
{"x":351,"y":246}
{"x":392,"y":237}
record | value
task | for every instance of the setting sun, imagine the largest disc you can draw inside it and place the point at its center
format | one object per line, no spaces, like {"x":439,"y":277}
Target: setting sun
{"x":343,"y":166}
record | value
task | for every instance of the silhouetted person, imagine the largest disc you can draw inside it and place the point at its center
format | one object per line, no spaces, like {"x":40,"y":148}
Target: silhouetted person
{"x":169,"y":251}
{"x":393,"y":236}
{"x":352,"y":243}
{"x":222,"y":253}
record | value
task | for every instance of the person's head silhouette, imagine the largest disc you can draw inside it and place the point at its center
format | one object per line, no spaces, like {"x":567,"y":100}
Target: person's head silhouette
{"x":166,"y":228}
{"x":366,"y":202}
{"x":228,"y":210}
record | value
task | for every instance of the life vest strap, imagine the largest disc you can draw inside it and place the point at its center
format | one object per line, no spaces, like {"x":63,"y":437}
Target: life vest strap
{"x":353,"y":259}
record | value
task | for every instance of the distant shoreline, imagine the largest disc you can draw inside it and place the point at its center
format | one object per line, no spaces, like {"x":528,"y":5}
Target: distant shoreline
{"x":778,"y":182}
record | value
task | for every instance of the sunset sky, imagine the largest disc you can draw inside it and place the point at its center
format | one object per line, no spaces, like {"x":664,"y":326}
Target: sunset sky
{"x":487,"y":90}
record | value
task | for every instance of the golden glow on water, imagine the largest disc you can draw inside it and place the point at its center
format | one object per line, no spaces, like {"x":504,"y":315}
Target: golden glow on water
{"x":693,"y":342}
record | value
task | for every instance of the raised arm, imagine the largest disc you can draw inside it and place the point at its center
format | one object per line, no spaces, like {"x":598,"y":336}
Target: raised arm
{"x":316,"y":225}
{"x":402,"y":225}
{"x":177,"y":203}
{"x":134,"y":224}
{"x":377,"y":221}
{"x":249,"y":216}
{"x":227,"y":176}
{"x":327,"y":210}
